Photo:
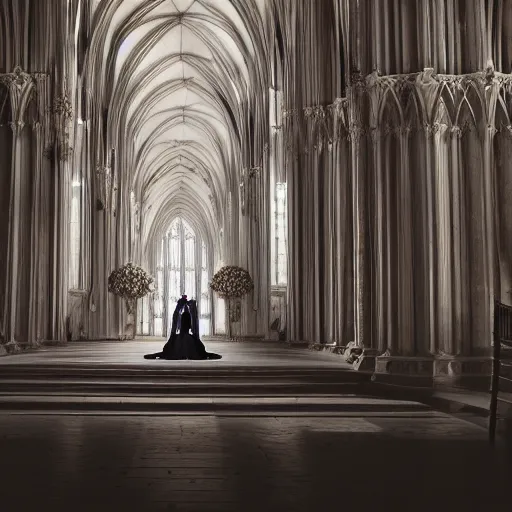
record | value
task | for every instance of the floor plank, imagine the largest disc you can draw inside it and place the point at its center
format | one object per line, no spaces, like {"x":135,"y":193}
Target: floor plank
{"x":222,"y":463}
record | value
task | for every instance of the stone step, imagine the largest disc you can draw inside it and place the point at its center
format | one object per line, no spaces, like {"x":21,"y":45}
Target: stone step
{"x":240,"y":404}
{"x":172,"y":387}
{"x":179,"y":373}
{"x":182,"y":389}
{"x":133,"y":381}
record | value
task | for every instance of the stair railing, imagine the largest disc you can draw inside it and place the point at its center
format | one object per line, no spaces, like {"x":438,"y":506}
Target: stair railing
{"x":502,"y":361}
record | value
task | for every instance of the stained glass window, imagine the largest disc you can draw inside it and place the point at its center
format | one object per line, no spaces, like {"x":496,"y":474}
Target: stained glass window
{"x":75,"y":237}
{"x":183,"y":261}
{"x":279,"y":236}
{"x":204,"y":306}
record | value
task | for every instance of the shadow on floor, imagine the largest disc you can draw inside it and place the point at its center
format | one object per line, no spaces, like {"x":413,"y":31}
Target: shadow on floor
{"x":207,"y":463}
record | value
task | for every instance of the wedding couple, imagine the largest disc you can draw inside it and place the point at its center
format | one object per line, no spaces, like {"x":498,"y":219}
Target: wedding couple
{"x":184,"y":345}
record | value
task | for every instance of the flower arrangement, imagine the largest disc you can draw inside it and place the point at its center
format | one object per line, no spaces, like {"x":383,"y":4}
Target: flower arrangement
{"x":232,"y":282}
{"x":130,"y":282}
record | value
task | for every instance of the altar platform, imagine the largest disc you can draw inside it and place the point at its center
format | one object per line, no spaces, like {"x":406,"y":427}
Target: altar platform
{"x":130,"y":354}
{"x":114,"y":376}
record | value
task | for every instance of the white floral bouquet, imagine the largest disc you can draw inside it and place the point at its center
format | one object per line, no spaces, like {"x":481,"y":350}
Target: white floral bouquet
{"x":130,"y":282}
{"x":231,"y":282}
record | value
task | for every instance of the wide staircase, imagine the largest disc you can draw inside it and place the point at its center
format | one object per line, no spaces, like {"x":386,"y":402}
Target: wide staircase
{"x":250,"y":390}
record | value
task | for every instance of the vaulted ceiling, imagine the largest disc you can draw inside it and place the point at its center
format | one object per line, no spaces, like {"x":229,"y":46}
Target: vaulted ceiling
{"x":178,"y":78}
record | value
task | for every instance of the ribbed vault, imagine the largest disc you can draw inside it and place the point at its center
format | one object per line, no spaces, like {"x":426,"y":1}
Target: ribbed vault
{"x":178,"y":79}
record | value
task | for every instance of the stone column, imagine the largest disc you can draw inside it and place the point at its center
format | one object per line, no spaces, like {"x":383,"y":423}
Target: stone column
{"x":379,"y":294}
{"x":359,"y":198}
{"x":252,"y":251}
{"x":405,"y":262}
{"x":20,"y":86}
{"x":460,"y":362}
{"x":459,"y":246}
{"x":34,"y":296}
{"x":62,"y":116}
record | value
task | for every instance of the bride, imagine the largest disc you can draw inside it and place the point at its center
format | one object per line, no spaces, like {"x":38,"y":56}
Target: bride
{"x":184,"y":345}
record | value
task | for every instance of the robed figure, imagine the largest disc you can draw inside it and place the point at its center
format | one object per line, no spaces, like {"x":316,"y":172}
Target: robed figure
{"x":184,"y":342}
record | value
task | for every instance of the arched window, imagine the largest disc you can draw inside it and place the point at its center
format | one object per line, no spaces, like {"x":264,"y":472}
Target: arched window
{"x":278,"y":201}
{"x":183,"y":269}
{"x":280,"y":238}
{"x":76,"y":278}
{"x":75,"y":232}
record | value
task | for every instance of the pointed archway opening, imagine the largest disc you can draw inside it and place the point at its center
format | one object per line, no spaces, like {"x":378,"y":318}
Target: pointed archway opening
{"x":183,"y":269}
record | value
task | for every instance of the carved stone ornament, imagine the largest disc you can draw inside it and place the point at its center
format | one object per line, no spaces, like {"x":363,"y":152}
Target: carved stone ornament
{"x":356,"y":132}
{"x":289,"y":113}
{"x":18,"y":79}
{"x":17,"y":126}
{"x":492,"y":130}
{"x":315,"y":112}
{"x":65,"y":151}
{"x":179,"y":143}
{"x":254,"y":171}
{"x":357,"y":80}
{"x":456,"y":131}
{"x":337,"y":106}
{"x":62,"y":107}
{"x":372,"y":80}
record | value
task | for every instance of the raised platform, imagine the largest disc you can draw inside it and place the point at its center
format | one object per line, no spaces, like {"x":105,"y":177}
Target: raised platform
{"x":115,"y":376}
{"x":130,"y":354}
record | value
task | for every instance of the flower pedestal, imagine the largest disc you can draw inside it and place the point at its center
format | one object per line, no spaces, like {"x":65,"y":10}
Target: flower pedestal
{"x":130,"y":327}
{"x":130,"y":283}
{"x":234,"y":310}
{"x":232,"y":283}
{"x":230,"y":324}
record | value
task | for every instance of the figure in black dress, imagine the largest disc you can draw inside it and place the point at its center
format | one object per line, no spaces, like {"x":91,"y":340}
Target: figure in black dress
{"x":184,"y":345}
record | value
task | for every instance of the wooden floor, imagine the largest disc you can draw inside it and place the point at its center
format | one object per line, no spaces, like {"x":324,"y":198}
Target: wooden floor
{"x":131,"y":353}
{"x":341,"y":452}
{"x":415,"y":462}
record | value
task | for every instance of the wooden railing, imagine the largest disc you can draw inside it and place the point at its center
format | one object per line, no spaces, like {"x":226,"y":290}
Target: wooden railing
{"x":501,"y":383}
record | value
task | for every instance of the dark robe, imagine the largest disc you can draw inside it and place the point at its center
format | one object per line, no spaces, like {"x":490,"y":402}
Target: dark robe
{"x":184,"y":345}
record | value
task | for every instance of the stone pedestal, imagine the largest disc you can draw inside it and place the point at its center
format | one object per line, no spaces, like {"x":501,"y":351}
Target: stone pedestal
{"x":352,"y":352}
{"x":466,"y":372}
{"x":404,"y":370}
{"x":366,"y":361}
{"x":10,"y":348}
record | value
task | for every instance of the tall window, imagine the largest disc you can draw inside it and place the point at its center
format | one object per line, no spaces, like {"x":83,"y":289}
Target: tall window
{"x":176,"y":289}
{"x":183,"y":269}
{"x":75,"y":228}
{"x":205,"y":303}
{"x":279,"y":221}
{"x":158,"y":297}
{"x":279,"y":236}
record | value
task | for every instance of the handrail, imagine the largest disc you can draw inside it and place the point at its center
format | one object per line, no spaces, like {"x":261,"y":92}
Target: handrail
{"x":502,"y":336}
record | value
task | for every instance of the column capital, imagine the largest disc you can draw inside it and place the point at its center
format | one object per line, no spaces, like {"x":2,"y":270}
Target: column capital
{"x":356,"y":131}
{"x":17,"y":80}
